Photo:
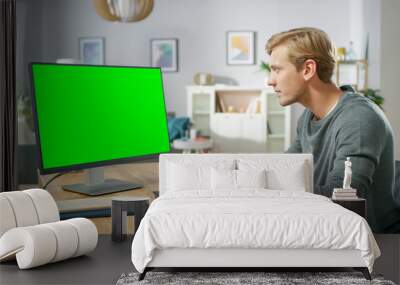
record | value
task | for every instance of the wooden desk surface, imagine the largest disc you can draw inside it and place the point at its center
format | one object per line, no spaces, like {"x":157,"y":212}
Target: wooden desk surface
{"x":144,"y":172}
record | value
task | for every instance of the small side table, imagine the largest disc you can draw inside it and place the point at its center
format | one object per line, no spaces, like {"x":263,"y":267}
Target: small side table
{"x":120,"y":206}
{"x":358,"y":206}
{"x":188,"y":145}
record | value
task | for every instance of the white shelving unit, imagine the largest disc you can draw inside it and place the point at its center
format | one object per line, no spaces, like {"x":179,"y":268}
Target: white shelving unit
{"x":239,"y":118}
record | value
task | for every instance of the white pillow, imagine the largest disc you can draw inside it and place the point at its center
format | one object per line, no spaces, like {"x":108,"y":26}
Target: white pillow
{"x":223,"y":179}
{"x":226,"y":179}
{"x":251,"y":178}
{"x":185,"y":175}
{"x":283,"y":174}
{"x":292,"y":179}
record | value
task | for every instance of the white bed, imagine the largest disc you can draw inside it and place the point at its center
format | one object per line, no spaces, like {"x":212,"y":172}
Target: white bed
{"x":247,"y":210}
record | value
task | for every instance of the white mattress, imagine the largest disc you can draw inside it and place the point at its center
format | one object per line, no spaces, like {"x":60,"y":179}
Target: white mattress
{"x":250,"y":219}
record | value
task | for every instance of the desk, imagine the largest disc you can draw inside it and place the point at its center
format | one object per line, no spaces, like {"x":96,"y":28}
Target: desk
{"x":144,"y":172}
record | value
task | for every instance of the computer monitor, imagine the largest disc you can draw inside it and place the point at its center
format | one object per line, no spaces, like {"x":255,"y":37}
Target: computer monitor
{"x":89,"y":116}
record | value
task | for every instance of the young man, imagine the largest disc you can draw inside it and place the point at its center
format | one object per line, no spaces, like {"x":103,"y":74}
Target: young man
{"x":336,"y":124}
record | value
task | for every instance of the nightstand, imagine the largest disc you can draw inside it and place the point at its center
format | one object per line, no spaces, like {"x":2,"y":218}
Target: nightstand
{"x":358,"y":206}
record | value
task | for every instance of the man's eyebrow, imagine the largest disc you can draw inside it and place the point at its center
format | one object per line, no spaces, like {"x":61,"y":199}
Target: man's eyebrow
{"x":274,"y":66}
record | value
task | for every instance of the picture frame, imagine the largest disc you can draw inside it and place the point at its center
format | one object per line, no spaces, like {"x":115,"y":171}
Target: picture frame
{"x":164,"y":54}
{"x":91,"y":50}
{"x":240,"y":47}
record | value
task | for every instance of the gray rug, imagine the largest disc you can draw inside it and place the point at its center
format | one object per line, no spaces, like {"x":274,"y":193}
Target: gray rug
{"x":228,"y":278}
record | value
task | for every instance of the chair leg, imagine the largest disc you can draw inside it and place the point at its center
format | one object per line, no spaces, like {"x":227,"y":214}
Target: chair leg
{"x":364,"y":271}
{"x":143,"y":274}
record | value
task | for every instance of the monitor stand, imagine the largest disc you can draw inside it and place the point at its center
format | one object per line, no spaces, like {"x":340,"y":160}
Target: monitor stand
{"x":97,"y":185}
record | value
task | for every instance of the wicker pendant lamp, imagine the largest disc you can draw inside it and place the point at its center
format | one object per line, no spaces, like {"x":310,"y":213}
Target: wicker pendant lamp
{"x":123,"y":10}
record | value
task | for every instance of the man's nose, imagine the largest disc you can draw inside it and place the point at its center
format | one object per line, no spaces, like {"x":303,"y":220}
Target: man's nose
{"x":270,"y":81}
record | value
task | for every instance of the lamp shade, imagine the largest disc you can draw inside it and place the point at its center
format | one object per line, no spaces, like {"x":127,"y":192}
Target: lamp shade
{"x":123,"y":10}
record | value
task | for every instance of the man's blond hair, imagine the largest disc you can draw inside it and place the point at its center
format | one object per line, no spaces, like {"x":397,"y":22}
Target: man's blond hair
{"x":307,"y":43}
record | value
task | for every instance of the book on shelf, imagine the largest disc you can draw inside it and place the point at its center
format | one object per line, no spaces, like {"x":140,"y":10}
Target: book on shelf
{"x":254,"y":106}
{"x":221,"y":104}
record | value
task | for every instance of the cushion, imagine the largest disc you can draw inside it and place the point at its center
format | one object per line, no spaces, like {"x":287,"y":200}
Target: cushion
{"x":277,"y":172}
{"x":189,"y":175}
{"x":251,"y":178}
{"x":223,"y":179}
{"x":237,"y":179}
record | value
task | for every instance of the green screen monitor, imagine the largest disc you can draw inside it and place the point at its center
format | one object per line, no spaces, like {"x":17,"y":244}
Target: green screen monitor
{"x":89,"y":116}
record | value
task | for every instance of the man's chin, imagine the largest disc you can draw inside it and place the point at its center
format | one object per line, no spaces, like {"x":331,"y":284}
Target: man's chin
{"x":284,"y":101}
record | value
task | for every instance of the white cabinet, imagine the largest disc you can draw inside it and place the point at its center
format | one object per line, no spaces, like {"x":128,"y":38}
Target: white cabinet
{"x":226,"y":132}
{"x":200,"y":105}
{"x":240,"y":119}
{"x":254,"y":133}
{"x":278,"y":125}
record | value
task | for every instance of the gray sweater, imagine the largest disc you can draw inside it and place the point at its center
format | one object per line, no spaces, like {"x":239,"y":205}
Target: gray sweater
{"x":358,"y":129}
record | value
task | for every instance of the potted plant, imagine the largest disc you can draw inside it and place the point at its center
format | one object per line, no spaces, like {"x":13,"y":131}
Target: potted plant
{"x":374,"y":96}
{"x":25,"y":116}
{"x":26,"y":152}
{"x":264,"y":66}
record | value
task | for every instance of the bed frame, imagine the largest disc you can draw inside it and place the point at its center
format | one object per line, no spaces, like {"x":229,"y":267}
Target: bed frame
{"x":242,"y":259}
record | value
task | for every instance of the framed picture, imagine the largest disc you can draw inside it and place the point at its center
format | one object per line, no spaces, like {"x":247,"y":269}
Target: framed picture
{"x":91,"y":50}
{"x":240,"y":48}
{"x":164,"y":54}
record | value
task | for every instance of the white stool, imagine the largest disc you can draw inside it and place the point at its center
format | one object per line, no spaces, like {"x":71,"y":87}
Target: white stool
{"x":196,"y":145}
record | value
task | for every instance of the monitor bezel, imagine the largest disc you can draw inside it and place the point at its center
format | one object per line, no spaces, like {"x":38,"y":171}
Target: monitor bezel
{"x":81,"y":166}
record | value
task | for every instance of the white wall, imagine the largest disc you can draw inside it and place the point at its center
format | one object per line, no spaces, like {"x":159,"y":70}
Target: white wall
{"x":372,"y":26}
{"x":200,"y":26}
{"x":390,"y":64}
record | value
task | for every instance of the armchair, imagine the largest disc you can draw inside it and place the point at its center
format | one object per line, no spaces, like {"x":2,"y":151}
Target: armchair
{"x":31,"y":231}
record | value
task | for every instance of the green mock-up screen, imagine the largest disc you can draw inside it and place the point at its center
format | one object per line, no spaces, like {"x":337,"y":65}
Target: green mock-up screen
{"x":92,"y":114}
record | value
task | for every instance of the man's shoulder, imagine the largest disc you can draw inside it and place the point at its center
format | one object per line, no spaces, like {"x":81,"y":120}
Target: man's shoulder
{"x":355,"y":107}
{"x":360,"y":113}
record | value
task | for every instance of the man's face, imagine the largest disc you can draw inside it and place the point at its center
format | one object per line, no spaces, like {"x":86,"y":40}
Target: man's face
{"x":287,"y":82}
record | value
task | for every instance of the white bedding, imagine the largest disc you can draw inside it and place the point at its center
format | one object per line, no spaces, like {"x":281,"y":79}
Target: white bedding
{"x":250,"y":218}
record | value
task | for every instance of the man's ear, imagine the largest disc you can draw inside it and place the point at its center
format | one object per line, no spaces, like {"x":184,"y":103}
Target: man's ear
{"x":309,"y":69}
